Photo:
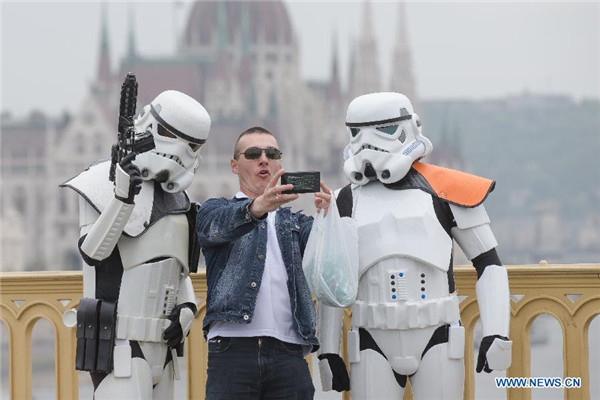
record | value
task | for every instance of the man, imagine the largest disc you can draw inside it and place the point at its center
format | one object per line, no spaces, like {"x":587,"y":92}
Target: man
{"x":260,"y":319}
{"x":406,"y":320}
{"x":129,"y":267}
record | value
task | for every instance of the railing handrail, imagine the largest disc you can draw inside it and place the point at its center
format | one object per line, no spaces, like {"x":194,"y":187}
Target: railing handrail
{"x":539,"y":288}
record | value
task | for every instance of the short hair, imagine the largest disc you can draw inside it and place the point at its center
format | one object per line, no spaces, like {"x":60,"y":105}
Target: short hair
{"x":254,"y":129}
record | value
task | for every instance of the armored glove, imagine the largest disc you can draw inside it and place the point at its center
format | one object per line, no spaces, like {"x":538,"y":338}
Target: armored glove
{"x":128,"y":179}
{"x":494,"y":354}
{"x":333,"y":373}
{"x":181,"y":318}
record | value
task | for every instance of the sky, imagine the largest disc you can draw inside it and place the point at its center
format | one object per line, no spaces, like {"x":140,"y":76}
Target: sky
{"x":460,"y":50}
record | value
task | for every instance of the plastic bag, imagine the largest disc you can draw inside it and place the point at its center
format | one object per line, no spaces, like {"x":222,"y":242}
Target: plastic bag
{"x":330,"y":260}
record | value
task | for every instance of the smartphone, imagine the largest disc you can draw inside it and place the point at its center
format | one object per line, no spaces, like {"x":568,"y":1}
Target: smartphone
{"x":304,"y":182}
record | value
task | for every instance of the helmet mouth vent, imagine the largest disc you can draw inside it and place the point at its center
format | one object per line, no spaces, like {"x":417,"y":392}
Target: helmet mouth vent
{"x":162,"y":176}
{"x":371,"y":147}
{"x":370,"y":171}
{"x":171,"y":157}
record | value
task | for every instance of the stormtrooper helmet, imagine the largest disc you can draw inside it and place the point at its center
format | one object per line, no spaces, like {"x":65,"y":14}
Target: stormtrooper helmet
{"x":179,"y":127}
{"x":385,"y":138}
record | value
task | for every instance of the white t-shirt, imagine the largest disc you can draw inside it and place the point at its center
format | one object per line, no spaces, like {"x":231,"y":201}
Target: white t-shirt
{"x":272,"y":313}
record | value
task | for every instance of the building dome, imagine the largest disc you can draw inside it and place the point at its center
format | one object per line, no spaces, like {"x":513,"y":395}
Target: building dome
{"x":254,"y":21}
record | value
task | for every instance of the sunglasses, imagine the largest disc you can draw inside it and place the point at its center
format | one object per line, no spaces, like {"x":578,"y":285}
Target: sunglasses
{"x":254,"y":153}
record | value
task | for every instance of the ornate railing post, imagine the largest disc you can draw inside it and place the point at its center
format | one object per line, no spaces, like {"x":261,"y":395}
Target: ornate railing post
{"x":25,"y":298}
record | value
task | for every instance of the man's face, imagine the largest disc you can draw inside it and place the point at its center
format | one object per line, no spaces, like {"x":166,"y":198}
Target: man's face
{"x":254,"y":175}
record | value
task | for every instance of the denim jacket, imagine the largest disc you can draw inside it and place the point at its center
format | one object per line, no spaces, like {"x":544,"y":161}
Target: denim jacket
{"x":234,"y":246}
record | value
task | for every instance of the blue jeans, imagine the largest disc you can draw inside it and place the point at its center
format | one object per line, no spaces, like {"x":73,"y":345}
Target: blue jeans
{"x":261,"y":368}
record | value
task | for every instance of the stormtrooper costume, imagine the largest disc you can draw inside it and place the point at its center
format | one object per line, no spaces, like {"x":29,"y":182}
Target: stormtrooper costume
{"x":137,"y":239}
{"x":406,"y":320}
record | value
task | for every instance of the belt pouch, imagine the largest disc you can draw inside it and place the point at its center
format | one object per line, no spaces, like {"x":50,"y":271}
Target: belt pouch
{"x":87,"y":331}
{"x":106,"y":336}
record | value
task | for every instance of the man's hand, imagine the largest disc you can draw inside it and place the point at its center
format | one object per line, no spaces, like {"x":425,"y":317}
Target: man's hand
{"x":323,"y":199}
{"x":181,"y":318}
{"x":272,"y":198}
{"x":494,"y":354}
{"x":334,"y":374}
{"x":128,"y":179}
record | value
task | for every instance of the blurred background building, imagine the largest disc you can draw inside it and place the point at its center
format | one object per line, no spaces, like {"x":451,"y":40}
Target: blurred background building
{"x":240,"y":59}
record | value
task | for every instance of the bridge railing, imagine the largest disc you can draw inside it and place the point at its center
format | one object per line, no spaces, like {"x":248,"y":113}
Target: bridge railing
{"x":568,"y":292}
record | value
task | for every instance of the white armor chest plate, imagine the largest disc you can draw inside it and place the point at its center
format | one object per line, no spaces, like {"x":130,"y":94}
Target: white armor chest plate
{"x":168,"y":237}
{"x":404,"y":258}
{"x":400,"y":223}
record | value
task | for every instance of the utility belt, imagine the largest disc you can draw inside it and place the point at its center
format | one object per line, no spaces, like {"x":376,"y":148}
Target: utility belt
{"x":406,"y":315}
{"x":143,"y":329}
{"x":95,"y":335}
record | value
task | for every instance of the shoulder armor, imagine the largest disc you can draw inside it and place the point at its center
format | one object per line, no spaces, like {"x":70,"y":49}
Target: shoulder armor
{"x":456,"y":187}
{"x":469,"y":217}
{"x":151,"y":204}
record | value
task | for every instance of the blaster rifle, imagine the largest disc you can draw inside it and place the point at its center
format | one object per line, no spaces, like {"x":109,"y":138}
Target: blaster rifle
{"x":126,"y":137}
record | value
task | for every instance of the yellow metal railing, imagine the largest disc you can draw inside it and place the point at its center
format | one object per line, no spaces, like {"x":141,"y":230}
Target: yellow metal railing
{"x":570,"y":293}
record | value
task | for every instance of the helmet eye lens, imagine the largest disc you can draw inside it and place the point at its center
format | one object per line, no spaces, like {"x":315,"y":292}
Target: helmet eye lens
{"x":162,"y":131}
{"x":354,"y":131}
{"x":194,"y":146}
{"x":390,"y":130}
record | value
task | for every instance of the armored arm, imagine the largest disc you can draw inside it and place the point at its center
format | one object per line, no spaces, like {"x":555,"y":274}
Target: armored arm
{"x":104,"y":234}
{"x":474,"y":235}
{"x":183,"y":314}
{"x":331,"y":365}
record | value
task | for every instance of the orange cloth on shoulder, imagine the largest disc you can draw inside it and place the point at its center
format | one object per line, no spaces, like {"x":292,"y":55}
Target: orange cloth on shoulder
{"x":455,"y":186}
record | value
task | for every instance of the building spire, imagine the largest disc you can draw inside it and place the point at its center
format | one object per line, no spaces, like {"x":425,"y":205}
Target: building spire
{"x":351,"y":62}
{"x":131,"y":44}
{"x":365,"y":72}
{"x":103,"y":73}
{"x":367,"y":22}
{"x":334,"y":82}
{"x":401,"y":76}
